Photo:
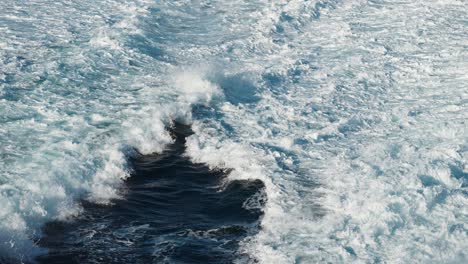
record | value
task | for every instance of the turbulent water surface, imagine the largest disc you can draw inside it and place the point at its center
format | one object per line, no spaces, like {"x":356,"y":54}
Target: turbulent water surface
{"x":323,"y":131}
{"x":173,"y":212}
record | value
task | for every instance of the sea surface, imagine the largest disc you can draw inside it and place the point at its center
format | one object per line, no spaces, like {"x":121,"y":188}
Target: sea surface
{"x":209,"y":131}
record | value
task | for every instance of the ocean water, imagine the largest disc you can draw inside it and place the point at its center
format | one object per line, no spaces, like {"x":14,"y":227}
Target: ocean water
{"x":337,"y":129}
{"x":174,"y":211}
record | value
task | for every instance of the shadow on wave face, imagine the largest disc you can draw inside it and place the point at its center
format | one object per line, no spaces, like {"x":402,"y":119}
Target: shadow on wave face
{"x":174,"y":211}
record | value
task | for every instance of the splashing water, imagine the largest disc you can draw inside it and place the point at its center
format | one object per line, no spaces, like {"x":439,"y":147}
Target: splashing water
{"x":352,"y":113}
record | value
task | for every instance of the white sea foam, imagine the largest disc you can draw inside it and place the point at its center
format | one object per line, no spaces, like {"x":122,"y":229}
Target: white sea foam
{"x":352,"y":113}
{"x":68,"y":140}
{"x":365,"y":145}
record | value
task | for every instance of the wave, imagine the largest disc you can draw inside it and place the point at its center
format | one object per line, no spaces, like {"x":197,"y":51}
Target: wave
{"x":351,"y":113}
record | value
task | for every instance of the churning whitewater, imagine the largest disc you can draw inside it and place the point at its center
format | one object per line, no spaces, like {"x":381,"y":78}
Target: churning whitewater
{"x":353,"y":114}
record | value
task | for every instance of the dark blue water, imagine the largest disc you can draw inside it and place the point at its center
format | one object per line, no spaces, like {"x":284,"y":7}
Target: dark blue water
{"x":174,"y":211}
